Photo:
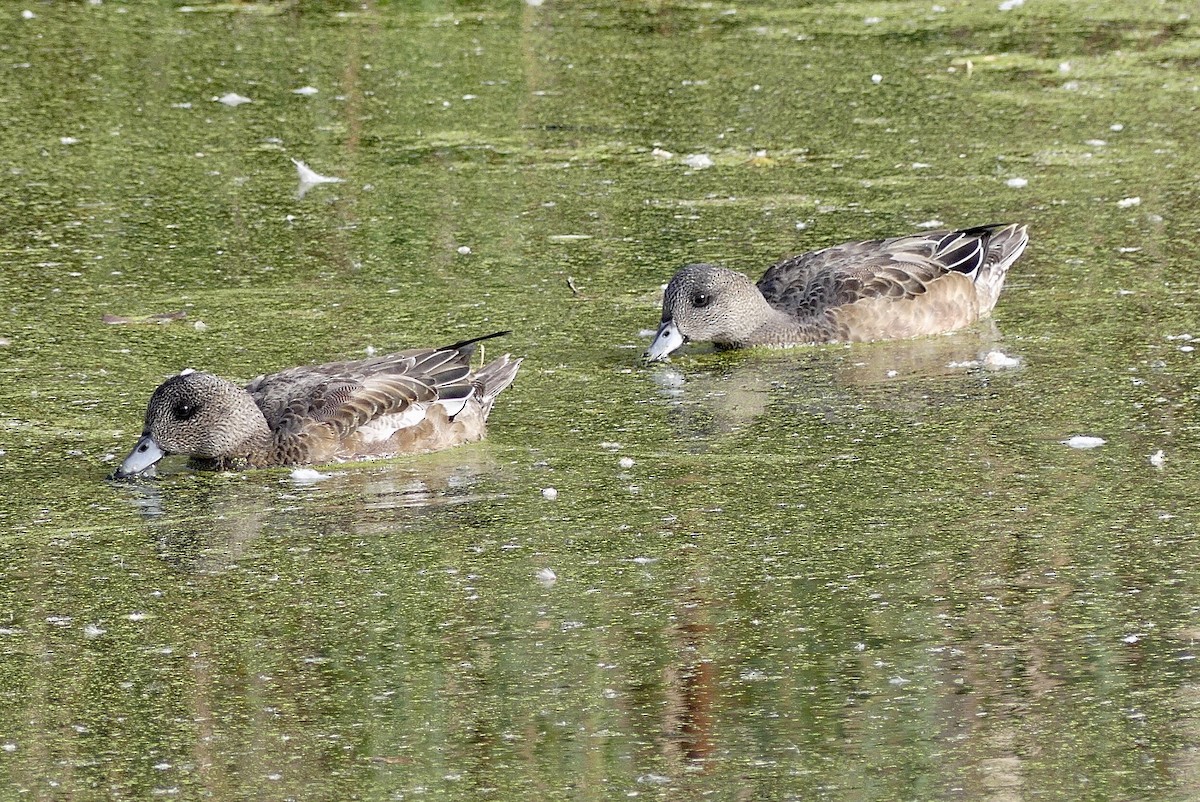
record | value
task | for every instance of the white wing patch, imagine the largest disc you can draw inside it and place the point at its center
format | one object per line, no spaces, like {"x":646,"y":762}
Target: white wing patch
{"x":385,"y":426}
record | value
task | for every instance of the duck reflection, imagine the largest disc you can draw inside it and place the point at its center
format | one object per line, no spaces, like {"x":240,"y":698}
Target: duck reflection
{"x":733,"y":390}
{"x":203,"y":522}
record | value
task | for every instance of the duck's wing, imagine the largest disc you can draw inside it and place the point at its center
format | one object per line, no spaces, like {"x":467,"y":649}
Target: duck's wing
{"x":942,"y":280}
{"x":345,"y":396}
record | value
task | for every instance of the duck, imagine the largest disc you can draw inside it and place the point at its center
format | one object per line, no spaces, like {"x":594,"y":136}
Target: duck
{"x":410,"y":402}
{"x":888,"y":289}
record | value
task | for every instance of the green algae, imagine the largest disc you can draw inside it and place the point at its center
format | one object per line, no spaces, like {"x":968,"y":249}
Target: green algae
{"x":828,"y":573}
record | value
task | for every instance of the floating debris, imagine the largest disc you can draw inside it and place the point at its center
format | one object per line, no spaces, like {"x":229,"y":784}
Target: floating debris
{"x":232,"y":99}
{"x":877,"y":79}
{"x":1017,"y":183}
{"x":1083,"y":441}
{"x":998,"y":360}
{"x":1158,"y":459}
{"x":625,"y":462}
{"x":698,"y":161}
{"x":659,"y":153}
{"x":160,"y":318}
{"x":549,"y":493}
{"x":546,"y":576}
{"x":307,"y":476}
{"x":307,"y":91}
{"x":310,"y":178}
{"x":1126,"y":203}
{"x":464,"y":250}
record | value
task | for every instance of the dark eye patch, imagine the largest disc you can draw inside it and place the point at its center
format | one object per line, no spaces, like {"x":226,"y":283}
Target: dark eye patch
{"x":185,"y":410}
{"x":701,"y":300}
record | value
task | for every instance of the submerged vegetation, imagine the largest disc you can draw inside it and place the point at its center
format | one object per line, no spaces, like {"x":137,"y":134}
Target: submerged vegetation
{"x":876,"y":570}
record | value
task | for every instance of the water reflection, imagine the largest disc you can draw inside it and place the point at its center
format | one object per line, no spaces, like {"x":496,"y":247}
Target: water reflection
{"x":712,"y":393}
{"x":203,"y":522}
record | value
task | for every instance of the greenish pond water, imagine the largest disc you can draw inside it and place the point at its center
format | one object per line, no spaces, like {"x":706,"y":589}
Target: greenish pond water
{"x":831,"y":573}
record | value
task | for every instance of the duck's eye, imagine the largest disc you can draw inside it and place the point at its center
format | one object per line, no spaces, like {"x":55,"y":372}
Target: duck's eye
{"x":701,"y":300}
{"x":184,"y":410}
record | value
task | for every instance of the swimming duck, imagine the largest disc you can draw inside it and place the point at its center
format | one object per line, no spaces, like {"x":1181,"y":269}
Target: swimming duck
{"x":887,"y":289}
{"x":409,"y":402}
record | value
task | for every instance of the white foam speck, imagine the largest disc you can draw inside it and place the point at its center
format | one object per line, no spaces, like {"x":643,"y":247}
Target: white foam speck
{"x":998,"y":360}
{"x":546,"y":576}
{"x":1017,"y":183}
{"x":659,"y":153}
{"x":1158,"y":459}
{"x":307,"y":476}
{"x":934,"y":223}
{"x":464,"y":250}
{"x":232,"y":99}
{"x":625,"y":462}
{"x":877,"y":79}
{"x":698,"y":161}
{"x":1126,"y":203}
{"x":549,"y":493}
{"x":1009,"y":5}
{"x":307,"y":91}
{"x":1084,"y":441}
{"x":93,"y":631}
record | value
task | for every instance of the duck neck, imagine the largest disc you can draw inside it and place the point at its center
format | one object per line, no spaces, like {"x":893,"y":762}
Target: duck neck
{"x":245,"y":439}
{"x":780,"y":327}
{"x":254,"y":451}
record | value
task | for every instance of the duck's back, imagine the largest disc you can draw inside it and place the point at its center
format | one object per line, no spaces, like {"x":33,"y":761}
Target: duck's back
{"x":894,"y":288}
{"x":346,"y":410}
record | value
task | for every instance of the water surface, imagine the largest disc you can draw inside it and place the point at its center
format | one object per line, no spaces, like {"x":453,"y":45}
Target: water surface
{"x":831,"y":573}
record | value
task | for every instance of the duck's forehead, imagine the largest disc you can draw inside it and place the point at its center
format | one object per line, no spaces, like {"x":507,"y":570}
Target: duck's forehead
{"x":687,"y":279}
{"x":186,"y":382}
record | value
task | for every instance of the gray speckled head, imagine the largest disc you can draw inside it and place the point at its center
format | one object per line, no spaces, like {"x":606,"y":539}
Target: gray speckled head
{"x":708,"y":303}
{"x":197,"y":414}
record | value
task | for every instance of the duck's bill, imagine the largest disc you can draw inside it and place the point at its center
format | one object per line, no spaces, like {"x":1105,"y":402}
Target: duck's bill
{"x":666,"y":340}
{"x":141,"y":460}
